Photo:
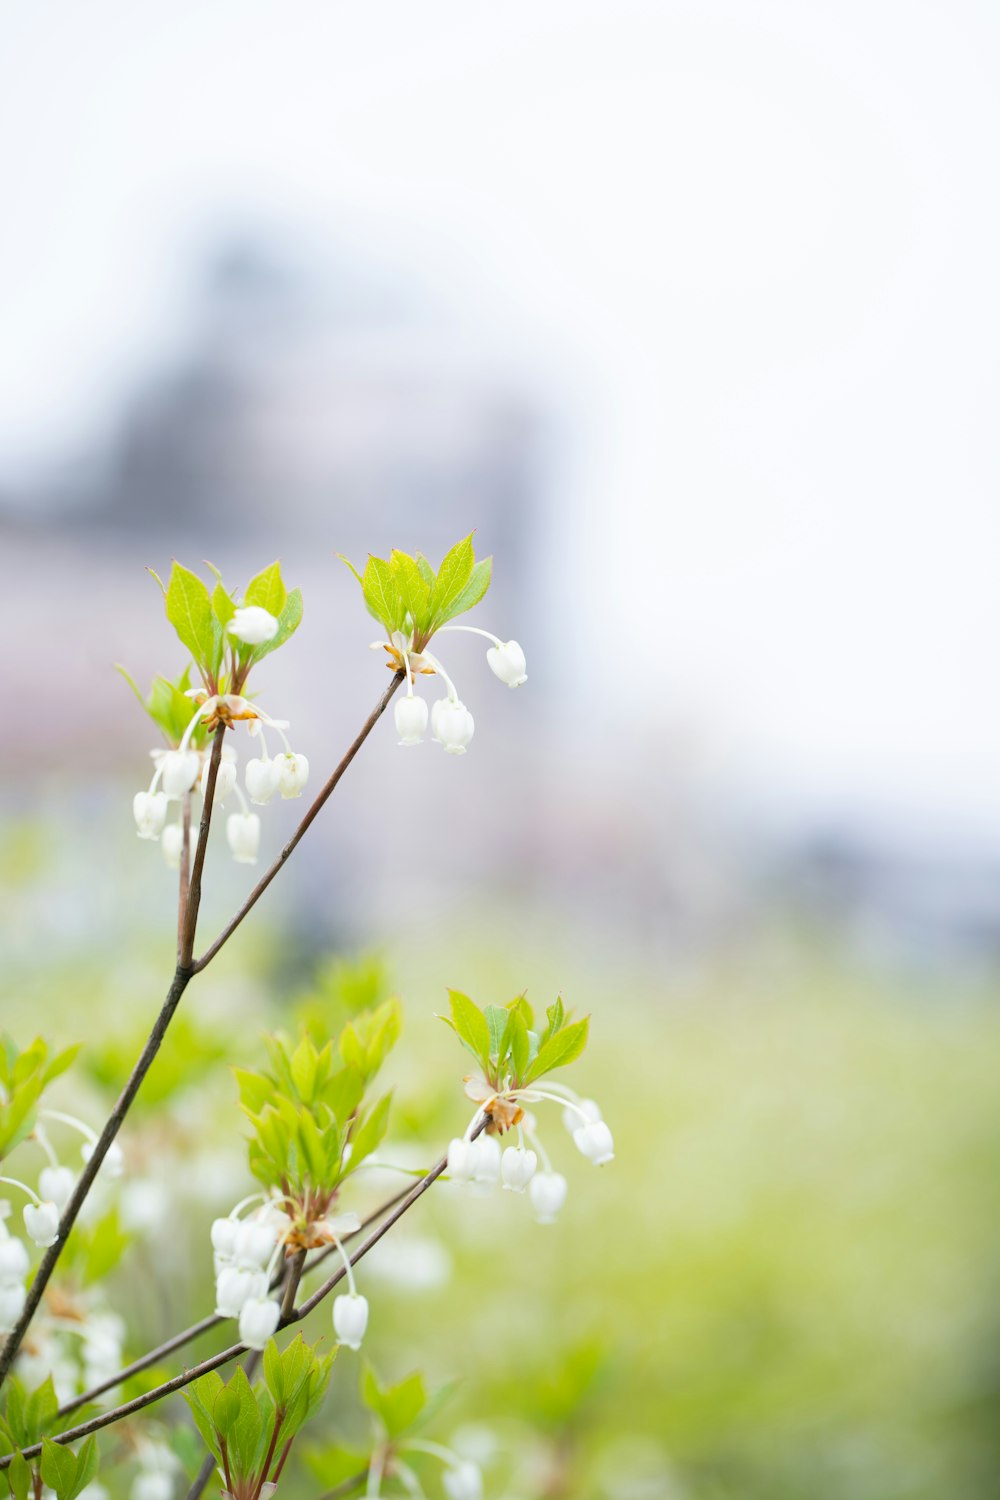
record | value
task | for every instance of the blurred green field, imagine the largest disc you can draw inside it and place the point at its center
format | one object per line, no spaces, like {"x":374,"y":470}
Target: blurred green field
{"x":784,"y":1286}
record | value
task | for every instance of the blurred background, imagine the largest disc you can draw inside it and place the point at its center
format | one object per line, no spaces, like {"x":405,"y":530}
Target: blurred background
{"x":691,"y":311}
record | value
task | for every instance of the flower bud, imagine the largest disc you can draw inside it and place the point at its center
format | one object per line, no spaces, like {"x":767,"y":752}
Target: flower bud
{"x":234,"y":1287}
{"x":224,"y":1232}
{"x":253,"y":625}
{"x":350,"y":1319}
{"x":411,"y":720}
{"x":259,"y":1318}
{"x":14,"y":1260}
{"x":586,"y":1109}
{"x":517,"y":1168}
{"x":41,"y":1220}
{"x":596,"y":1143}
{"x":253,"y":1243}
{"x":507,"y":662}
{"x":547,"y":1191}
{"x":463,"y":1481}
{"x":243,"y":836}
{"x":452,"y":724}
{"x":225,"y":779}
{"x":261,"y":778}
{"x":487,"y":1167}
{"x":56,"y":1184}
{"x":172,"y":843}
{"x":293,"y":773}
{"x":179,"y":771}
{"x":113,"y":1164}
{"x":150,"y":812}
{"x":12,"y":1300}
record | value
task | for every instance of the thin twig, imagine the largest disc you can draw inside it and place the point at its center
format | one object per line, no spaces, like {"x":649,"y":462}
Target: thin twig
{"x":315,"y":809}
{"x":185,"y":866}
{"x":295,"y":1268}
{"x":192,"y":901}
{"x":178,"y":1382}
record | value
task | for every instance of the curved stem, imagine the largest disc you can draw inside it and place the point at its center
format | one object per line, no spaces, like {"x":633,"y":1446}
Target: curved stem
{"x":452,"y":690}
{"x":472,"y":630}
{"x":16,"y":1182}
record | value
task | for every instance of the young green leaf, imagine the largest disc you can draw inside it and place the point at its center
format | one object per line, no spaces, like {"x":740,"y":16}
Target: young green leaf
{"x":562,"y":1048}
{"x":470,"y":1024}
{"x":288,"y":623}
{"x":19,"y":1477}
{"x":382,"y":593}
{"x":267,"y":591}
{"x":479,"y":582}
{"x":189,"y":610}
{"x":452,"y":577}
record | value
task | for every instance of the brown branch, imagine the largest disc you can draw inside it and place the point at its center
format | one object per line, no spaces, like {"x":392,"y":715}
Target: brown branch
{"x":307,"y":821}
{"x":192,"y":900}
{"x":185,"y":866}
{"x":294,"y":1276}
{"x":215,"y":1361}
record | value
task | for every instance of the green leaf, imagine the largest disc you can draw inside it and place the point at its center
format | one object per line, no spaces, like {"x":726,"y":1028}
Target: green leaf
{"x":348,"y":564}
{"x":58,"y":1466}
{"x":479,"y":582}
{"x":267,"y":591}
{"x":470,"y":1024}
{"x":19,"y":1477}
{"x":520,"y":1047}
{"x":398,"y":1406}
{"x":496,"y":1021}
{"x":222,"y":605}
{"x":370,"y":1133}
{"x":556,"y":1017}
{"x":86,"y":1464}
{"x":382,"y":593}
{"x":40,"y":1410}
{"x":452,"y":577}
{"x":413,"y":588}
{"x":561,"y":1049}
{"x":189,"y":610}
{"x":201,"y":1397}
{"x":288,"y":623}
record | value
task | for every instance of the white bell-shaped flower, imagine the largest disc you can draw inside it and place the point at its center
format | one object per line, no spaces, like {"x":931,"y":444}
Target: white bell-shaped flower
{"x":253,"y":1243}
{"x":243,"y":837}
{"x":224,"y":1232}
{"x":56,"y":1184}
{"x":113,"y":1164}
{"x":12,"y":1300}
{"x":547,"y":1191}
{"x":463,"y":1481}
{"x":587,"y":1110}
{"x":179,"y":771}
{"x":462,"y":1158}
{"x":350,"y":1319}
{"x":14,"y":1260}
{"x":172,"y":844}
{"x":262,"y":778}
{"x":411,"y":716}
{"x":596,"y":1142}
{"x":253,"y":625}
{"x":507,"y":662}
{"x":259,"y":1317}
{"x":150,"y":812}
{"x":517,"y":1168}
{"x":235,"y":1286}
{"x":225,"y":779}
{"x":487,"y":1168}
{"x":41,"y":1220}
{"x":452,"y":724}
{"x":293,"y":773}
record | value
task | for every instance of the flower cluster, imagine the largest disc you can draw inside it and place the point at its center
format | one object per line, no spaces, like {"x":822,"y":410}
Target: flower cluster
{"x":56,"y":1181}
{"x":225,"y":640}
{"x":414,"y":603}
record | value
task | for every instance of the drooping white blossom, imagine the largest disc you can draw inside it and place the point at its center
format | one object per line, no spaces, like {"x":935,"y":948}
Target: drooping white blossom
{"x":262,"y":777}
{"x":293,"y":773}
{"x":596,"y":1142}
{"x":179,"y":771}
{"x":547,"y":1191}
{"x":411,"y":716}
{"x":453,"y":725}
{"x":259,"y":1317}
{"x":517,"y":1168}
{"x":56,"y":1184}
{"x":243,"y":837}
{"x":41,"y":1220}
{"x":508,"y":663}
{"x":150,"y":812}
{"x":350,"y":1318}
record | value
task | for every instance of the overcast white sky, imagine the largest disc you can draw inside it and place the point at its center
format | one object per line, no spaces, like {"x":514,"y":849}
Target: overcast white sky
{"x":755,"y":244}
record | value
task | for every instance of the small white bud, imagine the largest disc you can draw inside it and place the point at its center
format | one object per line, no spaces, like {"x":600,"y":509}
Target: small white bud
{"x":12,"y":1300}
{"x":14,"y":1260}
{"x":253,"y":1243}
{"x":41,"y":1220}
{"x":596,"y":1143}
{"x":462,"y":1157}
{"x":411,"y":716}
{"x":350,"y":1319}
{"x":507,"y":662}
{"x":150,"y":812}
{"x":236,"y":1286}
{"x":253,"y":625}
{"x":587,"y":1109}
{"x":179,"y":771}
{"x":224,"y":1232}
{"x":487,"y":1168}
{"x":463,"y":1481}
{"x":56,"y":1184}
{"x":259,"y":1318}
{"x":517,"y":1167}
{"x":243,"y":837}
{"x":113,"y":1164}
{"x":547,"y":1191}
{"x":453,"y":725}
{"x":293,"y":773}
{"x":262,"y":777}
{"x":225,"y":780}
{"x":172,"y":844}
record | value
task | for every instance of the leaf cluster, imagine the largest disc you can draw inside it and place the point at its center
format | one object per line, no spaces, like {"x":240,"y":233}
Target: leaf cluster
{"x":23,"y":1078}
{"x":396,"y":1411}
{"x":405,"y":593}
{"x":170,"y":707}
{"x":250,"y":1428}
{"x":200,"y":619}
{"x":307,"y":1108}
{"x":505,"y":1043}
{"x":29,"y":1419}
